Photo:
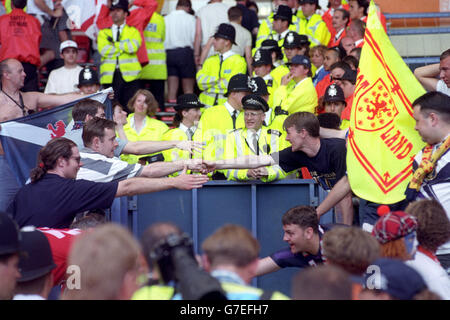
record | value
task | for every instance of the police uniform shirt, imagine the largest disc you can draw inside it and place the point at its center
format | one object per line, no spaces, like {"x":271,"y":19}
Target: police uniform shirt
{"x":280,"y":36}
{"x":250,"y":138}
{"x":185,"y":130}
{"x":114,"y":30}
{"x":227,"y":54}
{"x":231,"y":110}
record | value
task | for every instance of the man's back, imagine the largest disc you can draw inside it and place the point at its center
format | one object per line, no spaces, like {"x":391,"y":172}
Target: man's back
{"x":179,"y":26}
{"x":99,"y":168}
{"x":54,"y":201}
{"x":243,"y":39}
{"x":20,"y":35}
{"x":211,"y":16}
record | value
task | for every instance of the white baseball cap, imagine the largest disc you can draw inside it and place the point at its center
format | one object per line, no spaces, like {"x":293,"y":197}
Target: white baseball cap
{"x":67,"y":44}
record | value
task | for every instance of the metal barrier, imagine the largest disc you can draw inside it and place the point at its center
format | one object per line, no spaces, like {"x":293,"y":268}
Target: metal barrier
{"x":256,"y":206}
{"x":418,"y":30}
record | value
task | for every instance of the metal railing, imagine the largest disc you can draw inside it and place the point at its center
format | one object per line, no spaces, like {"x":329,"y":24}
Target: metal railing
{"x":420,"y":29}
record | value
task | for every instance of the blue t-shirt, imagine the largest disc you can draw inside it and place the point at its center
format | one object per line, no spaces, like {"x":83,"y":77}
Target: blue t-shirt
{"x":54,"y":201}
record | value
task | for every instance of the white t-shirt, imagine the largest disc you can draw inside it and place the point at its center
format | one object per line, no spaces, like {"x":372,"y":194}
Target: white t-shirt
{"x":180,"y":30}
{"x":211,"y":16}
{"x":442,"y":87}
{"x":32,"y":8}
{"x":243,"y":39}
{"x":63,"y":80}
{"x":432,"y":273}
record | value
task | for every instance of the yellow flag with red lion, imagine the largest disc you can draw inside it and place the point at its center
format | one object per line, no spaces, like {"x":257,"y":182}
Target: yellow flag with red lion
{"x":382,"y":141}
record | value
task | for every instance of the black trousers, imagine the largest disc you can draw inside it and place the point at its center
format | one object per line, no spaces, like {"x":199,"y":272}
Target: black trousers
{"x":156,"y":87}
{"x":31,"y":82}
{"x":123,"y":91}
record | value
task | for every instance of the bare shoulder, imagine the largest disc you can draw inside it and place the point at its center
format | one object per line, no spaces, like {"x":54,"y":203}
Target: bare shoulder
{"x":30,"y":99}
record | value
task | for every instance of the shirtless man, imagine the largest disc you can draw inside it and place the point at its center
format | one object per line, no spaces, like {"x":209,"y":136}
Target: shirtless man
{"x":15,"y":104}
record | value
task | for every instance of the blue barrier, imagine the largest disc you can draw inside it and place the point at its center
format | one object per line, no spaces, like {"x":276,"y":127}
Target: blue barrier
{"x":256,"y":206}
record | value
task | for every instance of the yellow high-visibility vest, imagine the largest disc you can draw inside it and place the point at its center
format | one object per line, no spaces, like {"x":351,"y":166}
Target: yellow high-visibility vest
{"x":155,"y":34}
{"x":121,"y":54}
{"x":215,"y":85}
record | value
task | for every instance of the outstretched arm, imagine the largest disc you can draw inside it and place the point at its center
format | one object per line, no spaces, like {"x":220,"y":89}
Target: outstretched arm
{"x":245,"y":162}
{"x":147,"y":147}
{"x":339,"y":191}
{"x":135,"y":186}
{"x":265,"y":266}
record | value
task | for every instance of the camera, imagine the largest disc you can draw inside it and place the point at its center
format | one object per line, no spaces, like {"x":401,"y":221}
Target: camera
{"x":175,"y":260}
{"x":164,"y":250}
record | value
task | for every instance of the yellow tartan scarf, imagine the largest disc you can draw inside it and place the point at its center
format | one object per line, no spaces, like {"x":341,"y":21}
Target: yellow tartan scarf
{"x":428,"y":163}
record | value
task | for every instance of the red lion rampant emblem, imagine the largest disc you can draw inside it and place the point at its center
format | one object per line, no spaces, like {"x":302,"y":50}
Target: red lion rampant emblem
{"x":58,"y":130}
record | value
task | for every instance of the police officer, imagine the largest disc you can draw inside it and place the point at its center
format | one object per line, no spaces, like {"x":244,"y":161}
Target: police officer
{"x":154,"y":74}
{"x":295,"y":44}
{"x":254,"y":139}
{"x":296,"y":92}
{"x":266,"y":28}
{"x":88,"y":82}
{"x":118,"y":45}
{"x":185,"y":124}
{"x":262,"y":63}
{"x":217,"y":121}
{"x":217,"y":70}
{"x":334,"y":102}
{"x":312,"y":24}
{"x":9,"y":256}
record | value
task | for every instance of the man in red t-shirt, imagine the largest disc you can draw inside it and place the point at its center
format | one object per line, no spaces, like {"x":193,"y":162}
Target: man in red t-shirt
{"x":61,"y":241}
{"x":20,"y":36}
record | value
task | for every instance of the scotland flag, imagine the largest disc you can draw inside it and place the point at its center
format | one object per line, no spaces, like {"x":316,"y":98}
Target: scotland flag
{"x":23,"y":138}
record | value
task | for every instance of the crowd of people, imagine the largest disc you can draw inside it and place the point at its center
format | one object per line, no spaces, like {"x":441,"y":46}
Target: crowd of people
{"x":253,"y":100}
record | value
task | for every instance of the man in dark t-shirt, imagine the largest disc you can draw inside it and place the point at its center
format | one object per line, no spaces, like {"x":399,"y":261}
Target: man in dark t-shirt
{"x":324,"y":158}
{"x":304,"y":235}
{"x":54,"y":197}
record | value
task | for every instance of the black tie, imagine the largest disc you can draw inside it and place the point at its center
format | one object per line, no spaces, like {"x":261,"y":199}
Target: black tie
{"x":117,"y":40}
{"x":118,"y":34}
{"x":189,"y":133}
{"x":220,"y":69}
{"x":234,"y":116}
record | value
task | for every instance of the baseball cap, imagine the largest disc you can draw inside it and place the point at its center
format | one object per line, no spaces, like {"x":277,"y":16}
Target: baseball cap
{"x":119,"y":4}
{"x":226,"y":31}
{"x":187,"y":101}
{"x":87,"y":76}
{"x":238,"y":82}
{"x":9,"y":235}
{"x":67,"y":44}
{"x":258,"y":86}
{"x":254,"y":102}
{"x":37,"y":259}
{"x":395,"y":278}
{"x":284,"y":13}
{"x":334,"y":93}
{"x":299,"y":59}
{"x":262,"y":57}
{"x":393,"y":225}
